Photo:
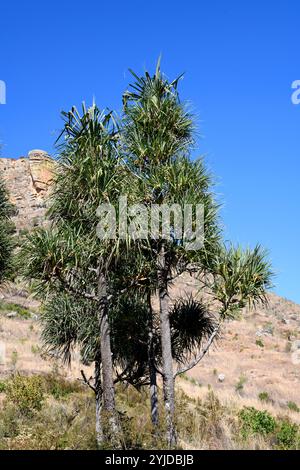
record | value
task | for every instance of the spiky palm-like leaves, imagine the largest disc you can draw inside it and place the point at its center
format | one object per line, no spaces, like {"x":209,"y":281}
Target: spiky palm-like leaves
{"x":68,"y":323}
{"x":164,"y":125}
{"x":157,"y":136}
{"x":191,"y":324}
{"x":70,"y":258}
{"x":238,"y":277}
{"x":88,"y":172}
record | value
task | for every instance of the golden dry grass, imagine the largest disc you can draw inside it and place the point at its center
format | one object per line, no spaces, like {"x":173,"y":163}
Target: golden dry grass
{"x":253,"y":354}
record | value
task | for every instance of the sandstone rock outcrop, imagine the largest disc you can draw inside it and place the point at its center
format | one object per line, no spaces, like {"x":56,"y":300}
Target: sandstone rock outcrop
{"x":28,"y":181}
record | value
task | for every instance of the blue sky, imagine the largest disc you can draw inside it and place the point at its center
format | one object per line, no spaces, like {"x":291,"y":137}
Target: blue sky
{"x":239,"y":59}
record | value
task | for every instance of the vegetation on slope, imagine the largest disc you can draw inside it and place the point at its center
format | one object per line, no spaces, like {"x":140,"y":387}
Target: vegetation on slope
{"x":49,"y":412}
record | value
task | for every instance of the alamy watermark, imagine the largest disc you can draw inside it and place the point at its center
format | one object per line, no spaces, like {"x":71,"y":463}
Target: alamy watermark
{"x":180,"y":224}
{"x":296,"y":94}
{"x":2,"y":92}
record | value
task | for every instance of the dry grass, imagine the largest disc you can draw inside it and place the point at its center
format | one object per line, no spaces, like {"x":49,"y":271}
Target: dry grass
{"x":204,"y":423}
{"x":66,"y":421}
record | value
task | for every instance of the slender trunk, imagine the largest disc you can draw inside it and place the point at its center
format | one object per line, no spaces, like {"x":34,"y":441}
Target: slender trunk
{"x":108,"y":390}
{"x":98,"y":393}
{"x":153,"y":383}
{"x":152,"y":369}
{"x":153,"y":396}
{"x":166,"y":345}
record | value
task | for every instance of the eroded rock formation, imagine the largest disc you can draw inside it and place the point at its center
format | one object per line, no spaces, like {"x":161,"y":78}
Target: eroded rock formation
{"x":28,"y":181}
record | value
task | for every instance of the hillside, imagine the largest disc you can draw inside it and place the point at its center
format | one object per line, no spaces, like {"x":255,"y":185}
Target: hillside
{"x":255,"y":363}
{"x":257,"y":351}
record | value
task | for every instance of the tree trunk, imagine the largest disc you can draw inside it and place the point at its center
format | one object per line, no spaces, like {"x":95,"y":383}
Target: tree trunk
{"x":166,"y":345}
{"x":153,"y":396}
{"x":98,"y":393}
{"x":152,"y":369}
{"x":153,"y":384}
{"x":108,"y":390}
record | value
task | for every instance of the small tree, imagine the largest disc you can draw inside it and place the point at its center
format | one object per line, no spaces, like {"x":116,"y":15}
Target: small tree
{"x":69,"y":257}
{"x":100,"y":294}
{"x":157,"y":138}
{"x":157,"y":135}
{"x":68,"y":321}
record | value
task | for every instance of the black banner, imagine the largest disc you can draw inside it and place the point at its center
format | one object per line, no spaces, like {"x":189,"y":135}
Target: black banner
{"x":147,"y":459}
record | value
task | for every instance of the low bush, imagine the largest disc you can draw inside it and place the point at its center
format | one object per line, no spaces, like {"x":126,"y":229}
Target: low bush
{"x":256,"y":422}
{"x":240,"y":384}
{"x":25,"y":392}
{"x":293,"y":406}
{"x":287,"y":436}
{"x":264,"y":396}
{"x":2,"y":386}
{"x":59,"y":387}
{"x":278,"y":433}
{"x":10,"y":421}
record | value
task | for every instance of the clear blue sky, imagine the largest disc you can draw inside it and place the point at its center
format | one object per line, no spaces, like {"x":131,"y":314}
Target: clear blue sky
{"x":240,"y":59}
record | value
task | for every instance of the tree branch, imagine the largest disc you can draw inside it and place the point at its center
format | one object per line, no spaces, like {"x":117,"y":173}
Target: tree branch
{"x":81,"y":293}
{"x":87,"y":381}
{"x":201,"y":355}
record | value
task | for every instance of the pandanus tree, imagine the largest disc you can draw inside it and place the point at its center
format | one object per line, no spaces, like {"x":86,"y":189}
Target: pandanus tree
{"x":101,"y":293}
{"x":157,"y":136}
{"x":157,"y":140}
{"x":69,"y":256}
{"x":68,"y":323}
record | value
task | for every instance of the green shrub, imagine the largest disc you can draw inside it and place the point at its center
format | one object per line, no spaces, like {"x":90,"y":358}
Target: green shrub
{"x":240,"y":384}
{"x":256,"y":422}
{"x":14,"y":358}
{"x":293,"y":406}
{"x":59,"y":425}
{"x":287,"y":435}
{"x":11,"y":307}
{"x":35,"y":349}
{"x":259,"y":343}
{"x":264,"y":396}
{"x":59,"y":387}
{"x":9,"y":422}
{"x":2,"y":387}
{"x":25,"y":392}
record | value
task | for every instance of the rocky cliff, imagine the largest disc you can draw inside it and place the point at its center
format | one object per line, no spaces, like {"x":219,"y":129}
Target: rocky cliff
{"x":28,"y":182}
